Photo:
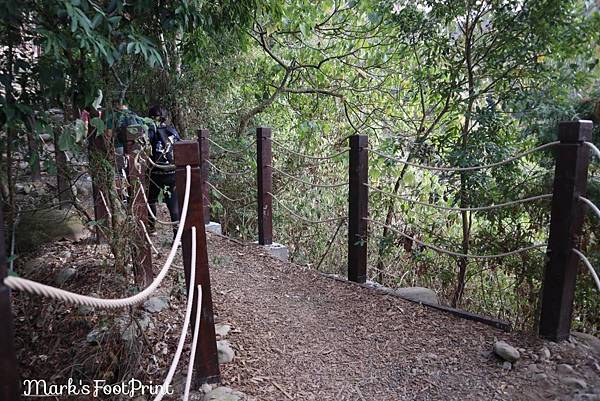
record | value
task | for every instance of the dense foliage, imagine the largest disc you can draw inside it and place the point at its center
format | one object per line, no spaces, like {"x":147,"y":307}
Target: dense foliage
{"x":437,"y":82}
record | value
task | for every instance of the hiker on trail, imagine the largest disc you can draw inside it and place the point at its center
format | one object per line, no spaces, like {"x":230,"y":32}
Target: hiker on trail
{"x":120,"y":121}
{"x":162,"y":137}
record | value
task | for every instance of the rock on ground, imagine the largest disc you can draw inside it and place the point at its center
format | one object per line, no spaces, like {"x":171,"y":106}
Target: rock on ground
{"x":418,"y":294}
{"x":156,"y":304}
{"x":37,"y":228}
{"x":226,"y":353}
{"x":222,"y":330}
{"x":224,"y":394}
{"x":506,"y":351}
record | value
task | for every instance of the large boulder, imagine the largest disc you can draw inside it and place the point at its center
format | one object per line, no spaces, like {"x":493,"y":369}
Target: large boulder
{"x":37,"y":228}
{"x":418,"y":294}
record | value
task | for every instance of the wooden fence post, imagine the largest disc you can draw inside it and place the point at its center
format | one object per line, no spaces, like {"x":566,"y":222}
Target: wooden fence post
{"x":358,"y":199}
{"x":206,"y":369}
{"x":570,"y":180}
{"x":203,"y":135}
{"x":136,"y":175}
{"x":264,"y":176}
{"x":96,"y":148}
{"x":9,"y":377}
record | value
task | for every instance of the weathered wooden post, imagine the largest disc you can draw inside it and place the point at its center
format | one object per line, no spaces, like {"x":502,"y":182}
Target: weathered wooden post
{"x":203,"y":135}
{"x":206,"y":369}
{"x":264,"y":176}
{"x":136,"y":175}
{"x":358,"y":199}
{"x":96,"y":149}
{"x":9,"y":377}
{"x":570,"y":181}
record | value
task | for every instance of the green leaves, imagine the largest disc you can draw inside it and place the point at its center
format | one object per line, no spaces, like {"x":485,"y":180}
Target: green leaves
{"x":99,"y":124}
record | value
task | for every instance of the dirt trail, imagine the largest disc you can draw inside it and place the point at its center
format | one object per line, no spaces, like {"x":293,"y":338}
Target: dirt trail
{"x":301,"y":336}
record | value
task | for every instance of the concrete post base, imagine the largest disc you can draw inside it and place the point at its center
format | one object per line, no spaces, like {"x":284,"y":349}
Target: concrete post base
{"x":213,"y":227}
{"x":279,"y":251}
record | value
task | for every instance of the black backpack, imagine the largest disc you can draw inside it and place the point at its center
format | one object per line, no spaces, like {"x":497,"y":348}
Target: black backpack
{"x":162,"y":145}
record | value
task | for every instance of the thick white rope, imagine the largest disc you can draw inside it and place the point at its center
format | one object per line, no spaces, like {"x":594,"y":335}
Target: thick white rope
{"x":186,"y":322}
{"x":288,"y":150}
{"x":167,"y":223}
{"x":471,"y":168}
{"x":105,"y":205}
{"x":236,"y":174}
{"x":166,"y":167}
{"x":460,"y":209}
{"x":190,"y":371}
{"x":589,"y":266}
{"x":464,"y":255}
{"x":591,"y":205}
{"x":223,"y":195}
{"x":290,"y":211}
{"x":594,"y":149}
{"x":148,"y":237}
{"x":312,"y":184}
{"x":18,"y":283}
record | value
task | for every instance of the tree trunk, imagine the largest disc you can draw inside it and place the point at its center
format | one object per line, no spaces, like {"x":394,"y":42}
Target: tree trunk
{"x":34,"y":153}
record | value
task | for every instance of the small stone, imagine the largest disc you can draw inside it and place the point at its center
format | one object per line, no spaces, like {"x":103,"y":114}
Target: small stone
{"x":540,"y":376}
{"x":46,"y":137}
{"x":222,"y":330}
{"x":223,"y":394}
{"x":95,"y":336}
{"x":573,"y":381}
{"x":85,"y":310}
{"x":226,"y":353}
{"x":564,"y":369}
{"x":506,"y":351}
{"x":506,"y":365}
{"x":156,"y":304}
{"x":64,"y":275}
{"x":544,"y":353}
{"x":206,"y":388}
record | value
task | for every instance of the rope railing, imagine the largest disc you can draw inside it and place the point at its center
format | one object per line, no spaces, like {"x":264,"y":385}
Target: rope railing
{"x":166,"y":167}
{"x":229,"y":173}
{"x":168,"y":223}
{"x":334,"y":185}
{"x":293,"y":213}
{"x":105,"y":205}
{"x":591,"y":205}
{"x":593,"y":147}
{"x":591,"y":269}
{"x":225,"y":196}
{"x":459,"y":169}
{"x":190,"y":370}
{"x":458,"y":254}
{"x":460,"y":209}
{"x":148,"y":237}
{"x":233,"y":152}
{"x":186,"y":320}
{"x":33,"y":287}
{"x":291,"y":151}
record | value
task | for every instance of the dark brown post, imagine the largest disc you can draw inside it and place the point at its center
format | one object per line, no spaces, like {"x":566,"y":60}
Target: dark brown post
{"x":358,"y":199}
{"x":203,"y":134}
{"x":96,"y":149}
{"x":136,"y":175}
{"x":9,"y":377}
{"x":206,"y":369}
{"x":264,"y":176}
{"x":570,"y":180}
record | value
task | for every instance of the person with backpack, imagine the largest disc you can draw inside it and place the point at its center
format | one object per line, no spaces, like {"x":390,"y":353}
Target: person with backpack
{"x":162,"y":137}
